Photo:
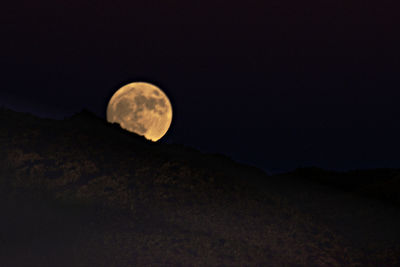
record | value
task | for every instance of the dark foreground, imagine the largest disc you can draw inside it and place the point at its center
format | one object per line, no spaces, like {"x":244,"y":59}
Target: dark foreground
{"x":80,"y":192}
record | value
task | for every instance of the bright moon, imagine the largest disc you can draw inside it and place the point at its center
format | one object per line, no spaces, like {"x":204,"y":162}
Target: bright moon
{"x":142,"y":108}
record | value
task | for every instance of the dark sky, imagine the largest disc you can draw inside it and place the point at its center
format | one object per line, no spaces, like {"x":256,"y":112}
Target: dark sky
{"x":278,"y":84}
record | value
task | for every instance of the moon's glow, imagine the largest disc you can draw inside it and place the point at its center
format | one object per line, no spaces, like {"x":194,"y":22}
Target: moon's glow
{"x":141,"y":108}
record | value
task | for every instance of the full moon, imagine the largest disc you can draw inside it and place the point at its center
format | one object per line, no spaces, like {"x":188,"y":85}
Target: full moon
{"x":141,"y":108}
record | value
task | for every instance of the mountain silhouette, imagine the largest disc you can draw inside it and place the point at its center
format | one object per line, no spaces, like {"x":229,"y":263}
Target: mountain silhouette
{"x":84,"y":192}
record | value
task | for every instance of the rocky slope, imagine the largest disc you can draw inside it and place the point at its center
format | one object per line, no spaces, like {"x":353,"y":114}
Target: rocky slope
{"x":82,"y":192}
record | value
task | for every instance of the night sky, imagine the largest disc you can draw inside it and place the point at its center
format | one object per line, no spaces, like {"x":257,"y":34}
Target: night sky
{"x":276,"y":84}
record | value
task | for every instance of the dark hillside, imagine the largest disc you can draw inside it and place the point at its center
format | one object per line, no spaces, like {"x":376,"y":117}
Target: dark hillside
{"x":82,"y":192}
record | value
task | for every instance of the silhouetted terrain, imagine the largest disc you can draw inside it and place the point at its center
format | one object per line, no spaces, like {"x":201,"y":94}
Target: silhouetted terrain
{"x":82,"y":192}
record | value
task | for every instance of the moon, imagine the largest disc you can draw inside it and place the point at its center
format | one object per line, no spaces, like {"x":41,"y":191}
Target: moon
{"x":141,"y":108}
